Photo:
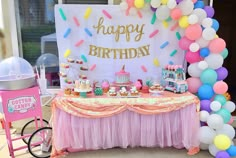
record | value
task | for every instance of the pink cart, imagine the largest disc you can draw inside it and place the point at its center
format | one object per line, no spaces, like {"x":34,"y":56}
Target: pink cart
{"x":18,"y":105}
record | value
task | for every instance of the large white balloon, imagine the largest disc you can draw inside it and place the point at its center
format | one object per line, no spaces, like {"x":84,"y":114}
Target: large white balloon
{"x":194,"y":47}
{"x":192,"y":19}
{"x":207,"y":22}
{"x":206,"y":135}
{"x":202,"y":42}
{"x":214,"y":61}
{"x":209,"y":33}
{"x":229,"y":105}
{"x":186,"y":7}
{"x":200,"y":13}
{"x":171,"y":4}
{"x":163,"y":12}
{"x":213,"y":149}
{"x":204,"y":115}
{"x":155,"y":3}
{"x":202,"y":65}
{"x":193,"y":70}
{"x":215,"y":106}
{"x":227,"y":130}
{"x":215,"y":121}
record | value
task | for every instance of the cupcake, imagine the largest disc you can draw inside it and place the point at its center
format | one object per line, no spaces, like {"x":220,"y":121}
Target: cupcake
{"x":112,"y":92}
{"x":67,"y":91}
{"x":123,"y":92}
{"x":74,"y":93}
{"x":105,"y":86}
{"x":64,"y":65}
{"x":82,"y":85}
{"x":133,"y":91}
{"x":62,"y":74}
{"x":78,"y":61}
{"x":70,"y":60}
{"x":83,"y":68}
{"x":87,"y":84}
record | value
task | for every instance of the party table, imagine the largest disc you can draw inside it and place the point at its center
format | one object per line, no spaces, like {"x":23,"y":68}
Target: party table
{"x":168,"y":120}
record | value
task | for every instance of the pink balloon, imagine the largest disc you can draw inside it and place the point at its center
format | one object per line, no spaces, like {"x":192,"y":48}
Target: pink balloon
{"x":217,"y":45}
{"x":194,"y":1}
{"x":193,"y":32}
{"x":176,"y":13}
{"x":231,"y":120}
{"x":193,"y":57}
{"x":220,"y":87}
{"x":184,"y":43}
{"x":193,"y":84}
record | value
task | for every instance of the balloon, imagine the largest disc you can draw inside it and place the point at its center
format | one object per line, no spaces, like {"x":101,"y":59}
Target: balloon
{"x":222,"y":154}
{"x":194,"y":47}
{"x":164,"y":2}
{"x":192,"y":57}
{"x":215,"y":106}
{"x":123,"y":6}
{"x":204,"y":52}
{"x":208,"y":76}
{"x":193,"y":70}
{"x":217,"y":45}
{"x":204,"y":115}
{"x":205,"y":92}
{"x":155,"y":3}
{"x":183,"y":22}
{"x":202,"y":42}
{"x":153,"y":9}
{"x":206,"y":135}
{"x":192,"y":19}
{"x":215,"y":121}
{"x":205,"y":105}
{"x":225,"y":114}
{"x":193,"y":84}
{"x":202,"y":65}
{"x":163,"y":12}
{"x":139,"y":3}
{"x":207,"y":23}
{"x":215,"y":24}
{"x":175,"y":13}
{"x":193,"y":32}
{"x":208,"y":33}
{"x":220,"y":87}
{"x":222,"y":142}
{"x":210,"y":11}
{"x":230,"y":106}
{"x":224,"y":53}
{"x":214,"y":61}
{"x":222,"y":73}
{"x":184,"y":43}
{"x":227,"y":130}
{"x":231,"y":150}
{"x":186,"y":7}
{"x":230,"y":121}
{"x":199,"y":4}
{"x":171,"y":4}
{"x":200,"y":13}
{"x":213,"y":149}
{"x":220,"y":98}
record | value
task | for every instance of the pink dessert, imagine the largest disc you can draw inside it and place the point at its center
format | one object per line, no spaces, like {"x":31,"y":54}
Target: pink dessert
{"x":138,"y":85}
{"x":122,"y":76}
{"x":105,"y":86}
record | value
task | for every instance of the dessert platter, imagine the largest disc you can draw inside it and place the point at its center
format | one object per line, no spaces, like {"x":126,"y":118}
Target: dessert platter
{"x":123,"y":93}
{"x":156,"y":89}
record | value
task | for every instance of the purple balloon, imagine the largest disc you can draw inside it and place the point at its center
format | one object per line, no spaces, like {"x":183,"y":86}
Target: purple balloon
{"x":222,"y":73}
{"x":178,"y":1}
{"x":153,"y":9}
{"x":210,"y":11}
{"x":205,"y":105}
{"x":222,"y":154}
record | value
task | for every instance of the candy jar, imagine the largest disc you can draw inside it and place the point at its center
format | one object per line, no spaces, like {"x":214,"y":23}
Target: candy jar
{"x":105,"y":86}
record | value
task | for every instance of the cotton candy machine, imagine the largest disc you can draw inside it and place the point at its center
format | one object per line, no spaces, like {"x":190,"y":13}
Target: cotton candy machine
{"x":16,"y":73}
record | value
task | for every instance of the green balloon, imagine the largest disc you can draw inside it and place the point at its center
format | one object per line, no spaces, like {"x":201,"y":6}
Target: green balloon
{"x":220,"y":98}
{"x":224,"y":53}
{"x":225,"y":114}
{"x":208,"y":76}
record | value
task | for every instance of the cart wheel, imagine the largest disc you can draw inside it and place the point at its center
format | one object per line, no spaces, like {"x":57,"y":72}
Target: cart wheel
{"x":40,"y":143}
{"x":29,"y":128}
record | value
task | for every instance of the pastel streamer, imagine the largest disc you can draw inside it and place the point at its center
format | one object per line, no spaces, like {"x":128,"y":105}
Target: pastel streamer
{"x":93,"y":67}
{"x":87,"y":13}
{"x":178,"y":35}
{"x":62,"y":14}
{"x":84,"y":58}
{"x":144,"y":68}
{"x":68,"y":31}
{"x":67,"y":53}
{"x":164,"y":44}
{"x":76,"y":21}
{"x":154,"y":17}
{"x":156,"y":62}
{"x":79,"y":43}
{"x":88,"y":32}
{"x":165,"y":24}
{"x":153,"y":33}
{"x":174,"y":26}
{"x":173,"y":53}
{"x":140,"y":14}
{"x":106,"y":14}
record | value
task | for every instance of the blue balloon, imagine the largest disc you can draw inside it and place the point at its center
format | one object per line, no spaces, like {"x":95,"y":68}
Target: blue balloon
{"x":205,"y":92}
{"x":199,"y":4}
{"x":215,"y":24}
{"x":204,"y":52}
{"x":231,"y":150}
{"x":208,"y":76}
{"x":220,"y":98}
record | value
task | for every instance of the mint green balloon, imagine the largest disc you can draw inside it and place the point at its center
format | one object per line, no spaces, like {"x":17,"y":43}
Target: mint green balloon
{"x":224,"y":53}
{"x":208,"y":76}
{"x":220,"y":98}
{"x":225,"y":114}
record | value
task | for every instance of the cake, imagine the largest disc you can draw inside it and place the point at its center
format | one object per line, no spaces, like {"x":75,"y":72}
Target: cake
{"x":123,"y":92}
{"x":122,"y":77}
{"x":156,"y":87}
{"x":134,"y":91}
{"x":82,"y":84}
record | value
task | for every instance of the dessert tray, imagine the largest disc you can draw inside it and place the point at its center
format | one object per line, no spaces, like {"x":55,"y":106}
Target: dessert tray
{"x":128,"y":96}
{"x":156,"y":92}
{"x":83,"y":90}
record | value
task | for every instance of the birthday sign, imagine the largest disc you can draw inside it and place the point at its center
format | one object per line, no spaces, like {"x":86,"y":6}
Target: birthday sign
{"x":104,"y":38}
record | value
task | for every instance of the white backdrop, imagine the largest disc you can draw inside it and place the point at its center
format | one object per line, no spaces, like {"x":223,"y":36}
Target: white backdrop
{"x":107,"y":66}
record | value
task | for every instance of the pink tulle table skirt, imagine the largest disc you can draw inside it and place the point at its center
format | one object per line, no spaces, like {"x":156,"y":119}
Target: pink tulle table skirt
{"x":177,"y":128}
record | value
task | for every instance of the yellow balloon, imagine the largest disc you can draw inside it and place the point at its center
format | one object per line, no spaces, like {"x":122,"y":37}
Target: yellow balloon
{"x":164,"y":2}
{"x":222,"y":142}
{"x":183,"y":22}
{"x":139,"y":3}
{"x":67,"y":53}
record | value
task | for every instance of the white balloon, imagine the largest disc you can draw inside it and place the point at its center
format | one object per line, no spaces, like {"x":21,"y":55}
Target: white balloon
{"x":204,"y":115}
{"x":206,"y":135}
{"x":213,"y":149}
{"x":201,"y":14}
{"x":202,"y":42}
{"x":229,"y":105}
{"x":215,"y":106}
{"x":194,"y":70}
{"x":207,"y":22}
{"x":155,"y":3}
{"x":214,"y":61}
{"x":171,"y":4}
{"x":186,"y":7}
{"x":202,"y":65}
{"x":227,"y":130}
{"x":194,"y":47}
{"x":204,"y":146}
{"x":215,"y":121}
{"x":209,"y":33}
{"x":192,"y":19}
{"x":133,"y":11}
{"x":163,"y":12}
{"x":123,"y":6}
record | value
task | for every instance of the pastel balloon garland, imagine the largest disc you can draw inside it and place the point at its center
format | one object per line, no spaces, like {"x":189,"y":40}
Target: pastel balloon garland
{"x":205,"y":52}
